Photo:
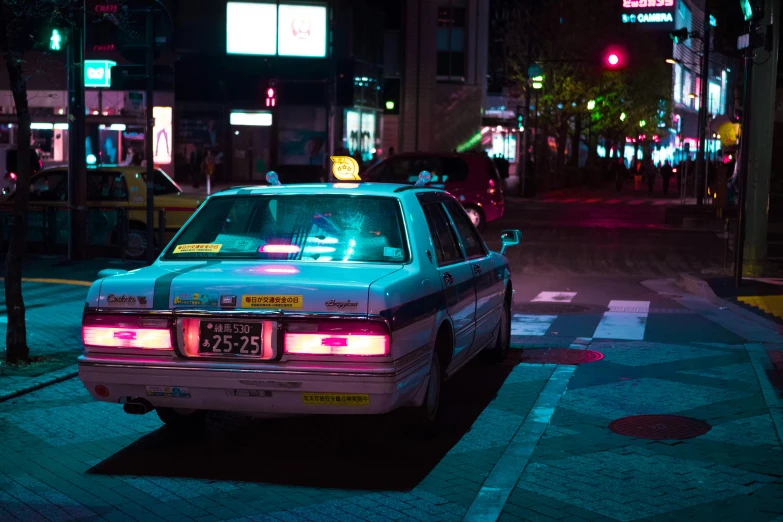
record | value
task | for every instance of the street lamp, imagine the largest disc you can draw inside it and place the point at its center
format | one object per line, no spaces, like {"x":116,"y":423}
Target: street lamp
{"x":642,"y":123}
{"x":672,"y":61}
{"x":591,"y":105}
{"x":622,"y":117}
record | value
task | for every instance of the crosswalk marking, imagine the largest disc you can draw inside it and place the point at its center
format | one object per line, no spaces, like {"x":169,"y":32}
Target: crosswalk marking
{"x":531,"y":325}
{"x":625,"y":320}
{"x":554,"y":297}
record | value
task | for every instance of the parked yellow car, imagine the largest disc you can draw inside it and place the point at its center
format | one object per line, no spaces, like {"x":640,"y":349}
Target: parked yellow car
{"x":117,"y":187}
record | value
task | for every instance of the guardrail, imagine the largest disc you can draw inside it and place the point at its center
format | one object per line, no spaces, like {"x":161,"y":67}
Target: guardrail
{"x":108,"y":227}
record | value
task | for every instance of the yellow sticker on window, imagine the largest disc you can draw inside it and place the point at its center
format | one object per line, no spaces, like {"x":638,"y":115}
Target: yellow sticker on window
{"x":272,"y":301}
{"x":206,"y":248}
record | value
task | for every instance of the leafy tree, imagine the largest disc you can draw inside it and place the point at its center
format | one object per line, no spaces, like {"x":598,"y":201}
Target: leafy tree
{"x":22,"y":26}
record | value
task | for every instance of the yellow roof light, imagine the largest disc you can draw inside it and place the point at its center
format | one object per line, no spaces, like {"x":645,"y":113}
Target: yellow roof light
{"x":345,"y":168}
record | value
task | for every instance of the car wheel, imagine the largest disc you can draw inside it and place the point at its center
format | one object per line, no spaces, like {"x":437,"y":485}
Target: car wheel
{"x":136,"y":244}
{"x":499,"y":351}
{"x":181,"y":418}
{"x":475,"y":216}
{"x":425,"y":417}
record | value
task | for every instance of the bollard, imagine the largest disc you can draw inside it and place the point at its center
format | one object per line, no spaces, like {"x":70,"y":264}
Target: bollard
{"x":122,"y":228}
{"x":161,"y":229}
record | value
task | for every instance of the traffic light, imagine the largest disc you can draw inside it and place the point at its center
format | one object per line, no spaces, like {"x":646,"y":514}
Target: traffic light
{"x":753,"y":10}
{"x":391,"y":96}
{"x":614,"y":58}
{"x":520,"y":118}
{"x":680,"y":35}
{"x":271,"y":97}
{"x":56,"y":40}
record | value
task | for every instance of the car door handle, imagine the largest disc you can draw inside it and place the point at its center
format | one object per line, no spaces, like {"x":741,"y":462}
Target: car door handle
{"x":448,"y":279}
{"x":477,"y":269}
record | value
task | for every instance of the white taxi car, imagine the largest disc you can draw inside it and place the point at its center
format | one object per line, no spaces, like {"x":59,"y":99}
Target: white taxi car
{"x":337,"y":298}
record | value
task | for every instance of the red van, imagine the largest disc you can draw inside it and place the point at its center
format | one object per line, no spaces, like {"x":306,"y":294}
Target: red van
{"x":471,"y":178}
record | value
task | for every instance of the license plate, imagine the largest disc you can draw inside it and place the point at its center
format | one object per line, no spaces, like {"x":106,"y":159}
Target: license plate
{"x":336,"y":399}
{"x":168,"y":391}
{"x":230,"y":337}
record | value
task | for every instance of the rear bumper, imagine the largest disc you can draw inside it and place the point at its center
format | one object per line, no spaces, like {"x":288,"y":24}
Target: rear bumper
{"x":494,"y":211}
{"x":243,"y":388}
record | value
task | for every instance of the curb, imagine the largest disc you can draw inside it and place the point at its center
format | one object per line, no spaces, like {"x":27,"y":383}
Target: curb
{"x":696,"y":286}
{"x":41,"y":381}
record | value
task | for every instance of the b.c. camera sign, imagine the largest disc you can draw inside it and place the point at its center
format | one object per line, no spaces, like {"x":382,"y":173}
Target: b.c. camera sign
{"x":649,"y":14}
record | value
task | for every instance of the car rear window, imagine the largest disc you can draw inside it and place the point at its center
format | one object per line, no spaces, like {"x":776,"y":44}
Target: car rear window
{"x":162,"y":184}
{"x":406,"y":170}
{"x":320,"y":228}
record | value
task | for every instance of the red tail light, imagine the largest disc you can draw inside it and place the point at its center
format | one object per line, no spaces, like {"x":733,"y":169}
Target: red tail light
{"x":119,"y":331}
{"x":12,"y":175}
{"x":337,"y":338}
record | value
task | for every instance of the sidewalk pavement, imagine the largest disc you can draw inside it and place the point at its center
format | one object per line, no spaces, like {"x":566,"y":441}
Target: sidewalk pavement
{"x":54,"y":292}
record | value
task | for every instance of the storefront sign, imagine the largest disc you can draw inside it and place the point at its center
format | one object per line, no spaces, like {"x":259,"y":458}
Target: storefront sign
{"x":649,"y":14}
{"x":97,"y":73}
{"x":251,"y":119}
{"x":269,"y":29}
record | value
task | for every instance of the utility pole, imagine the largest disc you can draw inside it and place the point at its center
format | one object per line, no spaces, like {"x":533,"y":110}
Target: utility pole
{"x":704,"y":106}
{"x":149,"y":151}
{"x":77,"y":168}
{"x":742,"y":174}
{"x":526,"y":109}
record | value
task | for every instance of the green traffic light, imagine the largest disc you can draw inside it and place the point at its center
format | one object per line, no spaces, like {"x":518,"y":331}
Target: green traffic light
{"x":55,"y":41}
{"x":591,"y":105}
{"x":390,"y":105}
{"x":747,"y":9}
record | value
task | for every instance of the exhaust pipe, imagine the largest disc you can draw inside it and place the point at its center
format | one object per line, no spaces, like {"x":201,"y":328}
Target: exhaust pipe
{"x":137,"y":406}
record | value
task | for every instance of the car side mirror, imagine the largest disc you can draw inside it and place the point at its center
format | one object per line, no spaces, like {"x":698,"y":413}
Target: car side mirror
{"x":509,"y":238}
{"x":110,"y":272}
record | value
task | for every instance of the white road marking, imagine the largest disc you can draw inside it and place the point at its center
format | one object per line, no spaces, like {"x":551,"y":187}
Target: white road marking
{"x":531,"y":325}
{"x":625,"y":320}
{"x":488,"y":504}
{"x":554,"y":297}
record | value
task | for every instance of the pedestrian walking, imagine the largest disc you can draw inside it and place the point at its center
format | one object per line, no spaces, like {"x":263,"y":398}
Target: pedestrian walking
{"x":666,"y":175}
{"x":620,"y":173}
{"x":651,"y":172}
{"x":638,"y":175}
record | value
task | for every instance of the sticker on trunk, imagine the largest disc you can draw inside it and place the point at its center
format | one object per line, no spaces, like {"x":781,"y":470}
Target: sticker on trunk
{"x":168,"y":391}
{"x":196,"y":299}
{"x":272,"y":301}
{"x":249,"y":393}
{"x":204,"y":248}
{"x":336,"y":399}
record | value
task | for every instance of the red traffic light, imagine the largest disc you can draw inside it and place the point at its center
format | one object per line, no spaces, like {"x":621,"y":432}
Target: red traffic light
{"x":613,"y":58}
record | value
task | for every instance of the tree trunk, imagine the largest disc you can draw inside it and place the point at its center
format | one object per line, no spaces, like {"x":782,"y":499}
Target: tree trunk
{"x":17,"y":350}
{"x":576,"y":143}
{"x":562,"y":140}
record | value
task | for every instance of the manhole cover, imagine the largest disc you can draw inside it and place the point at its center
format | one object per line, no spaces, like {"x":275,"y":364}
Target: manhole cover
{"x":566,"y":356}
{"x":551,"y":308}
{"x":660,"y":427}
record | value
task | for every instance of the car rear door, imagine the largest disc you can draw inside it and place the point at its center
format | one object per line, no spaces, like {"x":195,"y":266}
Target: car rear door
{"x":488,"y":278}
{"x":456,"y":273}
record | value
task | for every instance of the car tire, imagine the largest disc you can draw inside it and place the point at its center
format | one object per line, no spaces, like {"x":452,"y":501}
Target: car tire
{"x":178,"y":418}
{"x":136,"y":243}
{"x":499,"y":351}
{"x":476,"y":216}
{"x":424,"y":418}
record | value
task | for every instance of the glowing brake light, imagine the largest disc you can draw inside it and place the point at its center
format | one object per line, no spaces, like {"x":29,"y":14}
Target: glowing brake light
{"x":12,"y":175}
{"x":337,"y":339}
{"x":126,"y":332}
{"x":280,"y":249}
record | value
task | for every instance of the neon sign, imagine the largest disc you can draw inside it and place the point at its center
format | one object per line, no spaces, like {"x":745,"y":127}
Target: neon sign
{"x":636,"y":4}
{"x":643,"y":18}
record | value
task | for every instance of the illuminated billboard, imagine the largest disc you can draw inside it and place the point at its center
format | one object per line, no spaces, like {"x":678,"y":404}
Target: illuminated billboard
{"x":268,"y":29}
{"x":161,"y":133}
{"x":649,"y":14}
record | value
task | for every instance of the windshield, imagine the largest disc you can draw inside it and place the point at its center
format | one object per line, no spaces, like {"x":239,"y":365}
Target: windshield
{"x":295,"y":228}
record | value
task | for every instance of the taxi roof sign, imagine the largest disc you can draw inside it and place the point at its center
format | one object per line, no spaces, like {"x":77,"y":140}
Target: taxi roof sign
{"x":345,"y":168}
{"x":272,"y":178}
